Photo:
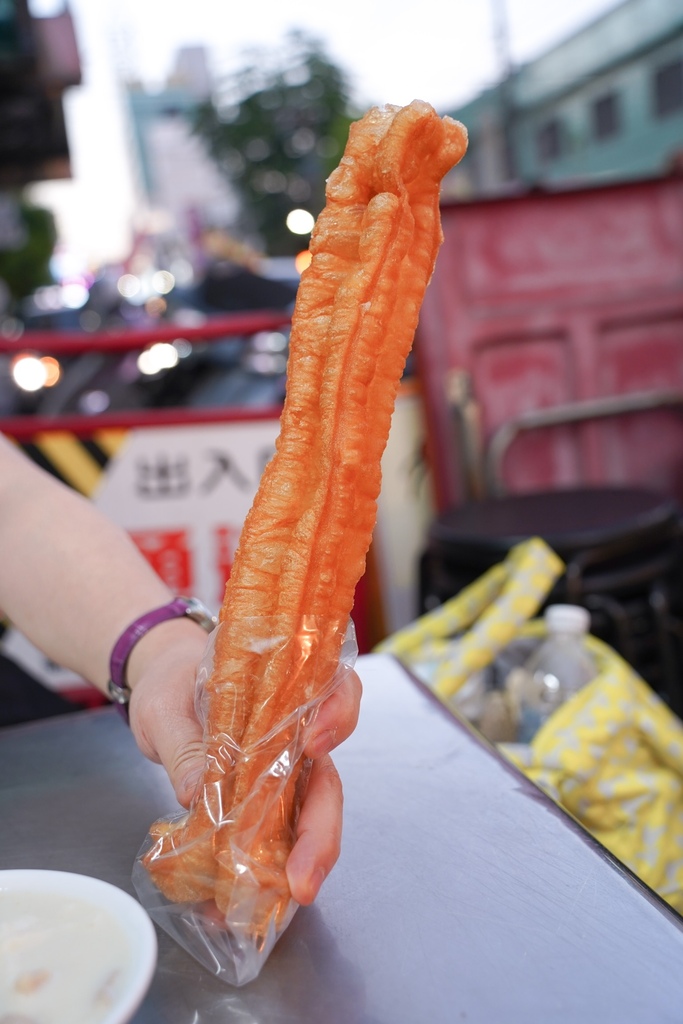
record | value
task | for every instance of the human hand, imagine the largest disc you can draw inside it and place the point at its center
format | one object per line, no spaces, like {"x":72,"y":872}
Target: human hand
{"x":318,"y":838}
{"x":161,"y":672}
{"x":165,"y":726}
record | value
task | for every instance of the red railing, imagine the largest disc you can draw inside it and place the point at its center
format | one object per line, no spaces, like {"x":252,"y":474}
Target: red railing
{"x":126,"y":339}
{"x":65,"y":343}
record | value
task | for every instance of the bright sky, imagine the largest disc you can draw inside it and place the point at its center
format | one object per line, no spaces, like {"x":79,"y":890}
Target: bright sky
{"x":393,"y":50}
{"x":441,"y":51}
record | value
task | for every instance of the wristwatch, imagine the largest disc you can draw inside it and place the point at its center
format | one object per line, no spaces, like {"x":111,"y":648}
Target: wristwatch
{"x":117,"y":687}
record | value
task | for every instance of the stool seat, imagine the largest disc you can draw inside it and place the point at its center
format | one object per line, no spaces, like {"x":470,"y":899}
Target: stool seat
{"x":570,"y":521}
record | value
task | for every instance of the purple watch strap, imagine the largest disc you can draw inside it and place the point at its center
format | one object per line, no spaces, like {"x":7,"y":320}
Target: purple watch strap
{"x":130,"y":636}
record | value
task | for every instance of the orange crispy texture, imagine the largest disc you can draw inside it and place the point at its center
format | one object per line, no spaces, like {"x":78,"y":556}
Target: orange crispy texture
{"x":304,"y":542}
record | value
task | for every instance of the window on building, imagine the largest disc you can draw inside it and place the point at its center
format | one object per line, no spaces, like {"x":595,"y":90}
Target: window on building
{"x":668,"y":88}
{"x":549,"y":140}
{"x":606,"y":116}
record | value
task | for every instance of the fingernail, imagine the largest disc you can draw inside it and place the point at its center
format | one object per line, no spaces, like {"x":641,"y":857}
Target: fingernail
{"x":317,"y":880}
{"x":324,"y":743}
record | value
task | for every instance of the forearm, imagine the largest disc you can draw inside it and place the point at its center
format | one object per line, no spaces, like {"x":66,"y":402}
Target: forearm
{"x":70,"y":579}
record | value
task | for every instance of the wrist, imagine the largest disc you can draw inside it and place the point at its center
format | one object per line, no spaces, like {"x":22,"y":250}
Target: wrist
{"x":181,"y":639}
{"x":183,"y":620}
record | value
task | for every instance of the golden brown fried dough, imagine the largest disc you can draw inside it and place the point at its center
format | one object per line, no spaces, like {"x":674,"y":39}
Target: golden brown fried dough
{"x":304,"y":542}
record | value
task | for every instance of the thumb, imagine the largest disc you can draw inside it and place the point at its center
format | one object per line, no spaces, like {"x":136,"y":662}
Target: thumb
{"x":185,"y":766}
{"x":171,"y":736}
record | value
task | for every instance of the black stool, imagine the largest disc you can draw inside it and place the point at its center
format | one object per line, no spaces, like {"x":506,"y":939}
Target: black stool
{"x":622,"y":548}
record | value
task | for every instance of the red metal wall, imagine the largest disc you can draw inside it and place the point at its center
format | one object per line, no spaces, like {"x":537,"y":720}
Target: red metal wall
{"x":550,"y":298}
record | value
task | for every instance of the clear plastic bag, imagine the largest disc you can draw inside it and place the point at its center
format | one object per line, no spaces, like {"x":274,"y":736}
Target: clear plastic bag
{"x":222,"y":864}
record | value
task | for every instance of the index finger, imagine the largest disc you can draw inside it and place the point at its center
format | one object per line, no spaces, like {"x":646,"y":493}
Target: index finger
{"x":336,"y":718}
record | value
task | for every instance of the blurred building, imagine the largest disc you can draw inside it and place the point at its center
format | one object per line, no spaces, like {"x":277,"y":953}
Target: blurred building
{"x":606,"y":103}
{"x":38,"y":61}
{"x":184,"y":189}
{"x":98,"y":207}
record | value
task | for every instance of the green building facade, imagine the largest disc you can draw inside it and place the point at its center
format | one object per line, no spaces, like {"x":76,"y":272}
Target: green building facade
{"x":606,"y":103}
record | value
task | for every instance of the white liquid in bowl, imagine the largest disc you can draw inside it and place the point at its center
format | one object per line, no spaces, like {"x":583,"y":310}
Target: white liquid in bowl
{"x":63,"y":960}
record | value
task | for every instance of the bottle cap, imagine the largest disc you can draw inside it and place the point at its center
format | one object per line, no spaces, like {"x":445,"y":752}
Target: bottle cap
{"x":567,"y":618}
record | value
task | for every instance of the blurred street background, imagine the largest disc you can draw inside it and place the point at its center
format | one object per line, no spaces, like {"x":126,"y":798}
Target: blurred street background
{"x":160,"y":173}
{"x":140,"y":149}
{"x":157,"y":166}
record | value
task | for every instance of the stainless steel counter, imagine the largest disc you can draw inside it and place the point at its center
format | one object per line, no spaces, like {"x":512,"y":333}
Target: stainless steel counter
{"x":462,"y":893}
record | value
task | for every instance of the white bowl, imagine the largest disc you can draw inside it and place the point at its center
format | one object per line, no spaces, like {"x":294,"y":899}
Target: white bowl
{"x":53,"y":904}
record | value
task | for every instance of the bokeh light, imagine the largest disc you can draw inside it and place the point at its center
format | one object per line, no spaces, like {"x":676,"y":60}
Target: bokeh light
{"x":74,"y":295}
{"x":28,"y":372}
{"x":53,"y":370}
{"x":163,"y":282}
{"x":300,"y":222}
{"x":162,"y":355}
{"x":302,"y":260}
{"x":94,"y":402}
{"x":129,"y":285}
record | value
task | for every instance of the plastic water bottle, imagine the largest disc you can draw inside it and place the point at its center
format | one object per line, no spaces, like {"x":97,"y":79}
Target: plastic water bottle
{"x":559,"y":667}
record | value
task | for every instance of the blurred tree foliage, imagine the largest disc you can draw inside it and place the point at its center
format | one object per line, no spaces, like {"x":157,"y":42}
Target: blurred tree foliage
{"x":276,"y":129}
{"x":25,"y":264}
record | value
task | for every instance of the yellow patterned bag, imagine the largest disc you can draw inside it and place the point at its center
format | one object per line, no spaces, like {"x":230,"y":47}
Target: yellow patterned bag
{"x":464,"y":635}
{"x":612,"y":755}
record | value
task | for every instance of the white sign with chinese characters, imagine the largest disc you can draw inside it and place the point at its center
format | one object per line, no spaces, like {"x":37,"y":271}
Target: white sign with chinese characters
{"x":183,"y":493}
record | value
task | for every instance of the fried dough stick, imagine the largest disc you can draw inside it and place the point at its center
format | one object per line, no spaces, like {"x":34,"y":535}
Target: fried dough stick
{"x":304,"y":542}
